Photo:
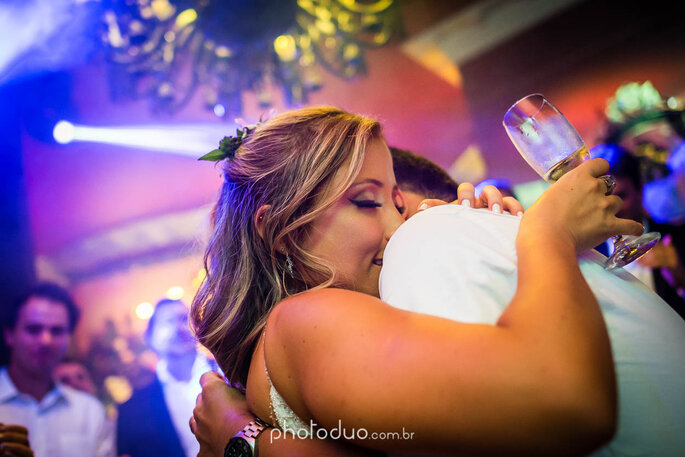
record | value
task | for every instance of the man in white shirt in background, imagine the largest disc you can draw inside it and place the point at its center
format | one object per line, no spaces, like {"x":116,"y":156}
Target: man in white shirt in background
{"x":61,"y":421}
{"x":154,"y":422}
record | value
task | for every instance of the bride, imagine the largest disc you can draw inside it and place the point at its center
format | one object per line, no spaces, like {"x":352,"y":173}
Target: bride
{"x":289,"y":306}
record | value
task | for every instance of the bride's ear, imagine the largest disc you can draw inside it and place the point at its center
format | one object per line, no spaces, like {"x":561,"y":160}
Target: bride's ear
{"x":259,"y":219}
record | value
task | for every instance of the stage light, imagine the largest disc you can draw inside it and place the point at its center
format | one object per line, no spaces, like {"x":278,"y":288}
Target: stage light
{"x":190,"y":139}
{"x":144,"y":310}
{"x":63,"y":132}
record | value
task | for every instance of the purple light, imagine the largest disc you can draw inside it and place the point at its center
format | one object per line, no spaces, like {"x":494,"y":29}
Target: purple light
{"x":664,"y":199}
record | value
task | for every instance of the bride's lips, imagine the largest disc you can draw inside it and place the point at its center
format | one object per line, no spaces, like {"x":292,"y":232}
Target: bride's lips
{"x":378,"y":262}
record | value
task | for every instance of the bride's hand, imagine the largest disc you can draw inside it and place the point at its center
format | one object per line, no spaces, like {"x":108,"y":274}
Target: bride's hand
{"x":490,"y":198}
{"x":578,"y":210}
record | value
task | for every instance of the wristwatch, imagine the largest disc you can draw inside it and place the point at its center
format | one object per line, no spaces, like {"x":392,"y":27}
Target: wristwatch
{"x":244,"y":442}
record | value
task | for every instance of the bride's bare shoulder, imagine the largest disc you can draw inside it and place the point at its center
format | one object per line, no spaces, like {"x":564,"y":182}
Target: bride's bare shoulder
{"x":322,"y":310}
{"x":322,"y":302}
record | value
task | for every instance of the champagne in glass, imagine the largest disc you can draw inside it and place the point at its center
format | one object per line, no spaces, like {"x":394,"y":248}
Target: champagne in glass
{"x":566,"y":165}
{"x":553,"y":147}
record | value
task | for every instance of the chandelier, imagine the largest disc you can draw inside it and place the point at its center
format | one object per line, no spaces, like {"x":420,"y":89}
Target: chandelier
{"x":168,"y":50}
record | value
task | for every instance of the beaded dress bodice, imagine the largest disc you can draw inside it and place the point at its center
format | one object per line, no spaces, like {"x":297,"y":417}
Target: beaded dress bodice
{"x":283,"y":415}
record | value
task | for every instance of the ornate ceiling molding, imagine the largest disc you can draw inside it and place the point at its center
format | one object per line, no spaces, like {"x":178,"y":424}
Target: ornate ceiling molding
{"x":145,"y":241}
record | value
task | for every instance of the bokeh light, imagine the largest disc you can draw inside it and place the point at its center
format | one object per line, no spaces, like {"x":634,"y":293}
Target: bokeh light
{"x":144,"y":310}
{"x":175,"y":293}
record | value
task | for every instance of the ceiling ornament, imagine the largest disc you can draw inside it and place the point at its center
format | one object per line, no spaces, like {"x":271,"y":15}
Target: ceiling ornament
{"x":168,"y":50}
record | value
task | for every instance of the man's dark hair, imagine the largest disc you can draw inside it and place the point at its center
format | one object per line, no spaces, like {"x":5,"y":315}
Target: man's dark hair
{"x":49,"y":291}
{"x":153,"y":319}
{"x":420,"y":175}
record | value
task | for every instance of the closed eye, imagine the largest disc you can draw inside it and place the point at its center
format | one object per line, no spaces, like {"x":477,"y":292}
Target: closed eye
{"x":366,"y":203}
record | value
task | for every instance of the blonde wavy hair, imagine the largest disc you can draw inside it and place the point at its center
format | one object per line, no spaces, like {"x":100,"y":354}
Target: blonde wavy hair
{"x":287,"y":163}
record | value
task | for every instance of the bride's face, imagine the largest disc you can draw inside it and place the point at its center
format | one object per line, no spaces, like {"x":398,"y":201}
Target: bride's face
{"x":353,"y":232}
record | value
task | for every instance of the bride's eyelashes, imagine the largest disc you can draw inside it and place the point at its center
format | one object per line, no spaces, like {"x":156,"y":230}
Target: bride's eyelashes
{"x":366,"y":203}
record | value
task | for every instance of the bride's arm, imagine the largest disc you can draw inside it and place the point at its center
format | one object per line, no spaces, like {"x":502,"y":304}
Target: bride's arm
{"x":540,"y":381}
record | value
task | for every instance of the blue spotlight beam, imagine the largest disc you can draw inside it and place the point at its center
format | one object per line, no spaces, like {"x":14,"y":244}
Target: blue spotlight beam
{"x":191,"y":140}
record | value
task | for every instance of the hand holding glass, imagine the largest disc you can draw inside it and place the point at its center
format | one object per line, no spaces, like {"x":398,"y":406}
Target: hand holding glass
{"x":552,"y":147}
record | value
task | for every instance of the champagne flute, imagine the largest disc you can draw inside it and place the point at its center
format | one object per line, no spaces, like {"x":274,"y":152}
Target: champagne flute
{"x":553,"y":147}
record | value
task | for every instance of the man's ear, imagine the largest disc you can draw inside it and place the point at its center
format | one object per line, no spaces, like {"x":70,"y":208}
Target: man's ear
{"x":259,"y":219}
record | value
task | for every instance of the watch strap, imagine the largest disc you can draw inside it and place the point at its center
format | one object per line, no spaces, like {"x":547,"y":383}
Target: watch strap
{"x":250,"y":433}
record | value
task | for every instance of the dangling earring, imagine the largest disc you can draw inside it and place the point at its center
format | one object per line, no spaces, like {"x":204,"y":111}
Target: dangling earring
{"x":289,"y":265}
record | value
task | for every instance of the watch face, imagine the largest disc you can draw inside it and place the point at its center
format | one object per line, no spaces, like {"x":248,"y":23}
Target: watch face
{"x":238,"y":447}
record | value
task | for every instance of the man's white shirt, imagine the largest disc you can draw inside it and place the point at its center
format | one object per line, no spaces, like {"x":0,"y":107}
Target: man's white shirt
{"x":65,"y":423}
{"x":461,"y":264}
{"x":180,"y":399}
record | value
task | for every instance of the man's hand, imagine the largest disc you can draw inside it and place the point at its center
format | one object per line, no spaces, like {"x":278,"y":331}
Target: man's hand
{"x":220,"y":412}
{"x":14,"y":441}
